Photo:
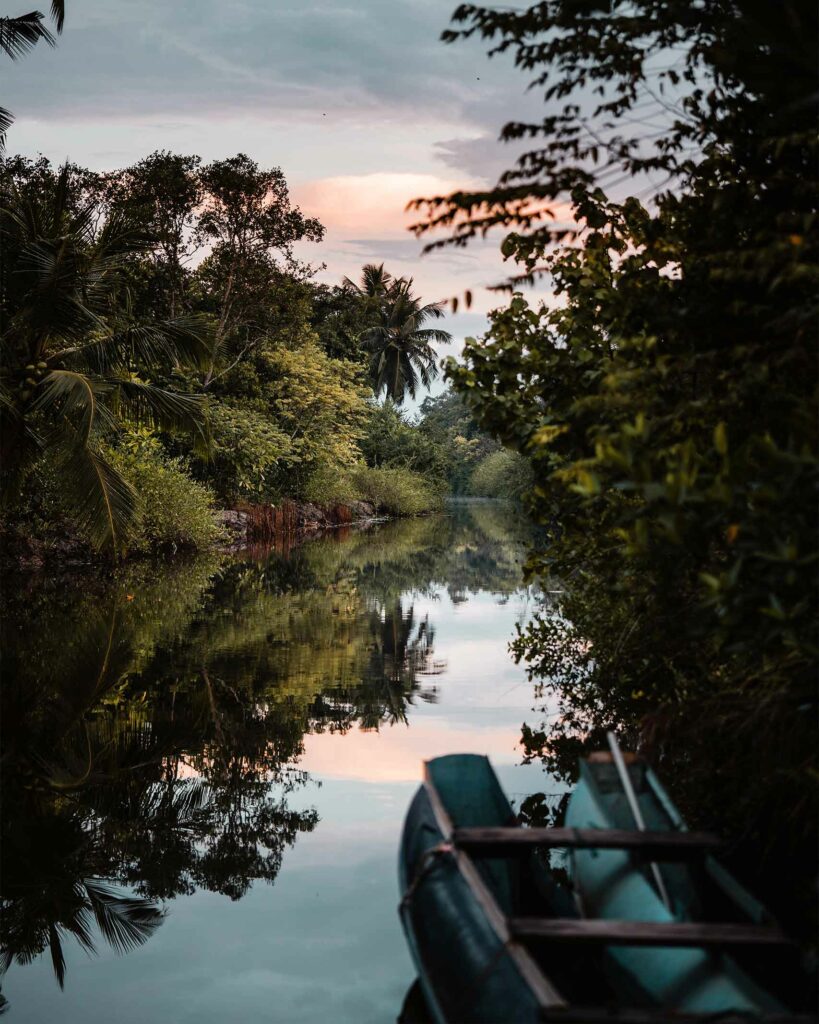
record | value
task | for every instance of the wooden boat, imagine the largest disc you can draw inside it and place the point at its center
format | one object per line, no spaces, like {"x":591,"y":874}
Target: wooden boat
{"x":642,"y":925}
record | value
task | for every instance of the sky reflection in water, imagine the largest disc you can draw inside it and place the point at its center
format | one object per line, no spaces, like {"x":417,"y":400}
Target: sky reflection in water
{"x":239,"y":673}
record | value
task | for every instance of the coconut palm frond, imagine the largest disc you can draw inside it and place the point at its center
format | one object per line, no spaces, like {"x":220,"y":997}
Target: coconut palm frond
{"x":55,"y":947}
{"x":105,"y":505}
{"x":375,"y":281}
{"x":125,"y":922}
{"x":80,"y":922}
{"x":190,"y":796}
{"x":430,"y":334}
{"x":58,"y":13}
{"x":6,"y":121}
{"x":78,"y":397}
{"x":18,"y":36}
{"x":185,"y":340}
{"x":160,"y":409}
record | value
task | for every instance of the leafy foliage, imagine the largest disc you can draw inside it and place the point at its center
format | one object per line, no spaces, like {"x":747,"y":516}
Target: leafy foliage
{"x":392,"y":440}
{"x":390,"y":490}
{"x":244,"y":372}
{"x":71,"y":353}
{"x":174,"y":510}
{"x":503,"y":474}
{"x":668,"y":404}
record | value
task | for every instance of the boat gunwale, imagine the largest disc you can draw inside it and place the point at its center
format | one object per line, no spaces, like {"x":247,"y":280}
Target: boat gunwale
{"x":547,"y":996}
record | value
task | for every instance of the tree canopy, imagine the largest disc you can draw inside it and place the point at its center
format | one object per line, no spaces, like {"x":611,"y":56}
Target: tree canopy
{"x":667,"y":402}
{"x":159,"y":334}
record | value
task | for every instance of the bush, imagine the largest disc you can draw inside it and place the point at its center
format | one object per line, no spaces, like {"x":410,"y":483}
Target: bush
{"x":399,"y":492}
{"x":176,"y":511}
{"x":502,"y":474}
{"x":331,"y":485}
{"x":247,"y":449}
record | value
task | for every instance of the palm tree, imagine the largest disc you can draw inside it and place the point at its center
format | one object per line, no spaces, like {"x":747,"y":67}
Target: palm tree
{"x":20,"y":34}
{"x":375,"y":282}
{"x":73,"y":360}
{"x":400,"y":346}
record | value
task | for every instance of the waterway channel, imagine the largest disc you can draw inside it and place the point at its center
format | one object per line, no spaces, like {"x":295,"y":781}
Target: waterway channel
{"x":207,"y":765}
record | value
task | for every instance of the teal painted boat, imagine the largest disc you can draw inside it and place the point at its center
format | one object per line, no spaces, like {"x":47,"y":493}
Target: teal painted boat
{"x":641,"y":923}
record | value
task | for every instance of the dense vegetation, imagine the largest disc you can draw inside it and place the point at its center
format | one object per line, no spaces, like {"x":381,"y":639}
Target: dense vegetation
{"x":668,"y":405}
{"x":164,"y":352}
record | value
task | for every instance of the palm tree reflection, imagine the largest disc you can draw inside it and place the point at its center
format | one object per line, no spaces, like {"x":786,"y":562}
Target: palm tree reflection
{"x":149,"y":747}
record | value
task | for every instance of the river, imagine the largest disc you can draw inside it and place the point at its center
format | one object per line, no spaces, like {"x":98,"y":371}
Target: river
{"x":207,"y":765}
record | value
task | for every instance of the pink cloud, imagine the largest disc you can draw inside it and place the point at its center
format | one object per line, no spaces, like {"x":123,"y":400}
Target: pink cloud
{"x":369,"y":205}
{"x":397,"y":754}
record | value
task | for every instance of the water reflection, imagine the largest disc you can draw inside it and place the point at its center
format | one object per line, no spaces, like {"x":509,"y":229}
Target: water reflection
{"x":152,"y":725}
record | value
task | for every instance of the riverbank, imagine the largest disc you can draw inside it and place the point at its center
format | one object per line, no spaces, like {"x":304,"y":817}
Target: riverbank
{"x":61,"y":547}
{"x":255,"y":523}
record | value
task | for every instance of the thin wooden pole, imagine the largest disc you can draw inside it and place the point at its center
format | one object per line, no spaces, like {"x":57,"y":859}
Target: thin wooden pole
{"x":639,"y":821}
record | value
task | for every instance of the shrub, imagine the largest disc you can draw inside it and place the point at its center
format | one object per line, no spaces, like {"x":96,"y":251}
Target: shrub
{"x":399,"y":492}
{"x":502,"y":474}
{"x":331,"y":485}
{"x":175,"y":511}
{"x":394,"y":490}
{"x":246,"y":450}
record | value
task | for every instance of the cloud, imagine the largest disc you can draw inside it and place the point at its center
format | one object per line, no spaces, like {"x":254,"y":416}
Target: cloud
{"x":371,"y":205}
{"x":360,"y":104}
{"x":278,"y":57}
{"x":327,"y":87}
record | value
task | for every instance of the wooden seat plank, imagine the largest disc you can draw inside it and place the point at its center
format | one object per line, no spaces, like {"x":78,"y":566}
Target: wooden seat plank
{"x":645,"y":933}
{"x":494,"y":842}
{"x":608,"y":1015}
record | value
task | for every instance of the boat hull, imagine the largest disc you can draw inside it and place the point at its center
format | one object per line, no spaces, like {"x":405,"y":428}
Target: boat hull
{"x":465,"y":969}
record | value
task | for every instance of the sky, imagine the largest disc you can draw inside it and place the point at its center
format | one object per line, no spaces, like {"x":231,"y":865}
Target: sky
{"x":360,"y":104}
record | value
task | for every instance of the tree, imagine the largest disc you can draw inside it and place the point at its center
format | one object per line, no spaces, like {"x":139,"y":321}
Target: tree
{"x":340,"y":317}
{"x":74,"y":361}
{"x":251,"y":225}
{"x":162,"y":192}
{"x":400,"y":346}
{"x":392,"y":440}
{"x":19,"y":35}
{"x":376,"y":282}
{"x":669,"y":405}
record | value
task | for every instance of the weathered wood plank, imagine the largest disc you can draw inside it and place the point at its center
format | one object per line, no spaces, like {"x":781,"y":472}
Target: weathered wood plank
{"x":493,"y":842}
{"x":645,"y":933}
{"x":596,"y":1015}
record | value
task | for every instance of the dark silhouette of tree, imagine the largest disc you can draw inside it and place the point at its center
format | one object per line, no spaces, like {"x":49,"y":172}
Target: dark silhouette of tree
{"x":400,"y":345}
{"x":69,"y":350}
{"x":19,"y":35}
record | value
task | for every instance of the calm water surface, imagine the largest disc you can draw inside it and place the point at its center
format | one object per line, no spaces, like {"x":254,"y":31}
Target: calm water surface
{"x":206,"y":768}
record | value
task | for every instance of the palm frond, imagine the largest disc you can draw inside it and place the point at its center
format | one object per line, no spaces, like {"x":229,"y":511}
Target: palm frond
{"x":375,"y":281}
{"x":430,"y":334}
{"x":55,"y":948}
{"x":185,"y":340}
{"x":105,"y":505}
{"x":161,"y":409}
{"x":191,"y":797}
{"x":77,"y":397}
{"x":58,"y":13}
{"x":20,"y":35}
{"x":6,"y":121}
{"x":125,"y":922}
{"x":79,"y":924}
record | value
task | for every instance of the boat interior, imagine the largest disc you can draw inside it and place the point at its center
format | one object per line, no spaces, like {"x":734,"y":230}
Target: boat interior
{"x":522,"y":878}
